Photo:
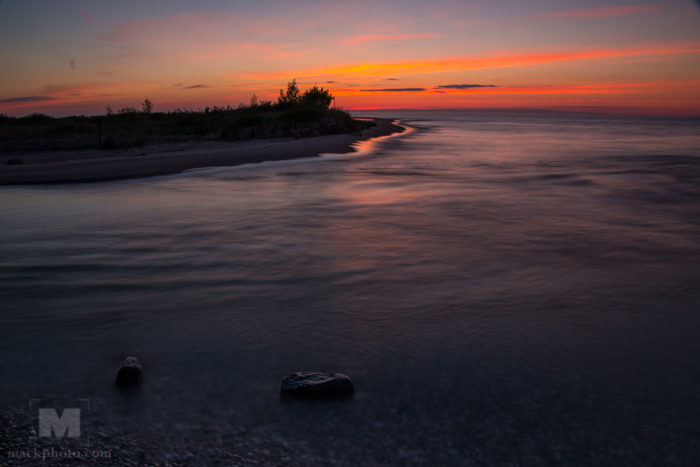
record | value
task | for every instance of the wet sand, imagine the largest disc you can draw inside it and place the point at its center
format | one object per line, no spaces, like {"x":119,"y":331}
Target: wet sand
{"x":171,"y":158}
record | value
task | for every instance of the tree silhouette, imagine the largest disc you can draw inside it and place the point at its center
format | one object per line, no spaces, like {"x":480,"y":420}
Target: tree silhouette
{"x":291,"y":97}
{"x":147,"y":106}
{"x":317,"y":97}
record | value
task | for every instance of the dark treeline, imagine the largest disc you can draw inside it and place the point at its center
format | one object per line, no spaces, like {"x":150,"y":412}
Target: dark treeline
{"x":294,"y":114}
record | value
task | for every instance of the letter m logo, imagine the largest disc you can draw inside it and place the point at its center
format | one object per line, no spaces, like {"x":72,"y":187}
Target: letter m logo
{"x":69,"y":421}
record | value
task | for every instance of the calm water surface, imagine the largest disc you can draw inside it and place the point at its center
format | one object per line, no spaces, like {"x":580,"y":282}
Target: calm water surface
{"x":503,"y":288}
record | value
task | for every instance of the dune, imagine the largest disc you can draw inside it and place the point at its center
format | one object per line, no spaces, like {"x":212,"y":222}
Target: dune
{"x":171,"y":158}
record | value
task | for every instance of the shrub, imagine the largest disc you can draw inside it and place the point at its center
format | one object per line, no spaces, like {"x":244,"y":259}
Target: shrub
{"x":147,"y":106}
{"x":109,"y":143}
{"x":291,"y":97}
{"x":316,"y":97}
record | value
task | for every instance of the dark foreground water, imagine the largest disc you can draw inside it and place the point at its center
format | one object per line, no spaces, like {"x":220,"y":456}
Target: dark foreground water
{"x":504,"y":289}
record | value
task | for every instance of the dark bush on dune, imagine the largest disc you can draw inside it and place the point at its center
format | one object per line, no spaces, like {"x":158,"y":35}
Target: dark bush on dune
{"x":316,"y":97}
{"x":313,"y":97}
{"x":294,"y":114}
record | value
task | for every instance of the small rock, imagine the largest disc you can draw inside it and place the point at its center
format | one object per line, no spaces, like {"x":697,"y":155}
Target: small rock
{"x":14,"y":162}
{"x":321,"y":385}
{"x":130,"y":373}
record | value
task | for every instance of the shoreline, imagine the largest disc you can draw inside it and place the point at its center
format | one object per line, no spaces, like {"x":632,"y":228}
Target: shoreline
{"x":84,"y":166}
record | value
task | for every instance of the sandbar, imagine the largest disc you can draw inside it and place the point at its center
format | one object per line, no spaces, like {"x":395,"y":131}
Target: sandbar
{"x":172,"y":158}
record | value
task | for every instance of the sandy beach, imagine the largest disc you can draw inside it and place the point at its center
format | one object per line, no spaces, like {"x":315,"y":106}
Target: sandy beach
{"x":171,"y":157}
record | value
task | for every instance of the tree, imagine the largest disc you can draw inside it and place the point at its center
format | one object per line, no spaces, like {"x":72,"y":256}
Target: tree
{"x":317,"y":97}
{"x":291,"y":97}
{"x":147,"y":106}
{"x":109,"y":110}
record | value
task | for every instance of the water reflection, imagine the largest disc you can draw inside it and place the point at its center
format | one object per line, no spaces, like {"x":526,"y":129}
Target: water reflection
{"x":487,"y":282}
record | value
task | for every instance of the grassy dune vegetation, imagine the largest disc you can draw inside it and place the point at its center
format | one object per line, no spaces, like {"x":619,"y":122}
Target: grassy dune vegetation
{"x":295,"y":114}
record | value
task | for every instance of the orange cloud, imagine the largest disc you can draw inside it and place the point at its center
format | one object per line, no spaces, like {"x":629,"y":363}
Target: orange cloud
{"x":559,"y":89}
{"x":554,"y":89}
{"x":63,"y":94}
{"x":635,"y":90}
{"x":395,"y":37}
{"x":493,"y":61}
{"x":604,"y":12}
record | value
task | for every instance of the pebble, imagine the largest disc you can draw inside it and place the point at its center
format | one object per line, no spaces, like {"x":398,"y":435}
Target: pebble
{"x":318,"y":385}
{"x":276,"y":447}
{"x":130,"y":373}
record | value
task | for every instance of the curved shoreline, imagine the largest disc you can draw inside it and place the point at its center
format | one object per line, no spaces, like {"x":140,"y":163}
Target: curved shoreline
{"x":98,"y":166}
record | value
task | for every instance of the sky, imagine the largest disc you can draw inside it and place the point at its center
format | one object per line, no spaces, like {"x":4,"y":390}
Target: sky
{"x":64,"y":57}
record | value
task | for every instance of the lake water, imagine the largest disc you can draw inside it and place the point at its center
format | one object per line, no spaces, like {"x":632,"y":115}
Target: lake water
{"x":503,"y":288}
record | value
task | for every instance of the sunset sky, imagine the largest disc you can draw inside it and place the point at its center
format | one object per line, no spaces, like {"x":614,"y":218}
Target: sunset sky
{"x":64,"y":57}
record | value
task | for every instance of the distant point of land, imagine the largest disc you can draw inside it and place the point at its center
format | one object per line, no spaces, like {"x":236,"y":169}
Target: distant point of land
{"x":295,"y":114}
{"x":131,"y":143}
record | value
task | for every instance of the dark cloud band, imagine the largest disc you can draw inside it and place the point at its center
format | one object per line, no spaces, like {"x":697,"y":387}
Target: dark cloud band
{"x":16,"y":100}
{"x":394,"y":90}
{"x":466,"y":86}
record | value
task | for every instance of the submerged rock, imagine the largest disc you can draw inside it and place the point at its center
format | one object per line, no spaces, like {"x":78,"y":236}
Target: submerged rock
{"x":130,"y":373}
{"x":320,"y":385}
{"x":15,"y":162}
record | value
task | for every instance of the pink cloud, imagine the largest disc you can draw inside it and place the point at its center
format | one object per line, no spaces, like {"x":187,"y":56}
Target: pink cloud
{"x":210,"y":27}
{"x":604,"y":12}
{"x":89,"y":18}
{"x":201,"y":37}
{"x":393,"y":37}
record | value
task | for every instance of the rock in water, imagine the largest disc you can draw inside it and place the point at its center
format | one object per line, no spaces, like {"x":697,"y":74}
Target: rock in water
{"x":130,"y":372}
{"x":320,"y":385}
{"x":14,"y":162}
